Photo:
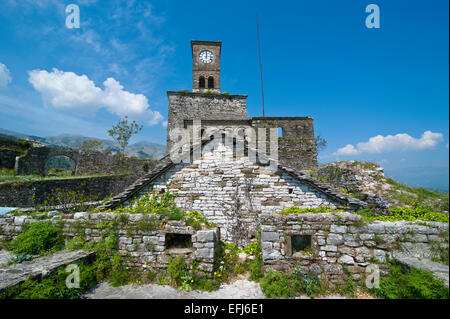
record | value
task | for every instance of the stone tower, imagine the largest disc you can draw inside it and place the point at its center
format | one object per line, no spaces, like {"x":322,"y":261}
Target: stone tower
{"x":206,"y":65}
{"x":296,"y":145}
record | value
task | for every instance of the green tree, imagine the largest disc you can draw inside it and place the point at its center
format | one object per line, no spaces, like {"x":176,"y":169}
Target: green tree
{"x":123,"y":131}
{"x":321,"y":143}
{"x":90,"y":145}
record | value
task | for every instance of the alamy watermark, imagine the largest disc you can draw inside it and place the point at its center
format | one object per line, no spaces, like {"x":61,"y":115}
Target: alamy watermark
{"x":373,"y":19}
{"x":73,"y":16}
{"x":373,"y":276}
{"x":191,"y":143}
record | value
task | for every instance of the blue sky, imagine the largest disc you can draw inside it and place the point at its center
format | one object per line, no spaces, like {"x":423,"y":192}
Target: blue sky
{"x":375,"y":94}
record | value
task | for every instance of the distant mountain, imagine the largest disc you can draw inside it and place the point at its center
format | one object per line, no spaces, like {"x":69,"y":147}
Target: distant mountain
{"x":435,"y":178}
{"x":141,"y":149}
{"x":8,"y":133}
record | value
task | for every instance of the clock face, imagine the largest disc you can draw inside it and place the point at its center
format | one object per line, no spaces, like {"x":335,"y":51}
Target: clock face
{"x":206,"y":56}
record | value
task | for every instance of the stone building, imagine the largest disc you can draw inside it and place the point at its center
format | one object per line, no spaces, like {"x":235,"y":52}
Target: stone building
{"x":224,"y":183}
{"x":296,"y":145}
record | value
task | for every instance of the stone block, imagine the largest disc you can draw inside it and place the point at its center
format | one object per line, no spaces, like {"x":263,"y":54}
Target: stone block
{"x":205,"y":236}
{"x":270,"y":236}
{"x":338,"y":229}
{"x":335,"y":239}
{"x":346,"y":259}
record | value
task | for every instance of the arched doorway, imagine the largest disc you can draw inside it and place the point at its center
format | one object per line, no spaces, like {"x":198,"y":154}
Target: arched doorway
{"x":59,"y":165}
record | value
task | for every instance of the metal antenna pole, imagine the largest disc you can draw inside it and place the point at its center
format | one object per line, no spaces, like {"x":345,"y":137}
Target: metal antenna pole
{"x":260,"y":64}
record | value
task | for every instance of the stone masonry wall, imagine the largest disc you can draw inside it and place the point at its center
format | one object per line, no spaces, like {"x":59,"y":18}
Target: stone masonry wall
{"x":342,"y":244}
{"x":30,"y":194}
{"x":296,"y":148}
{"x":146,"y":246}
{"x":232,"y":193}
{"x":86,"y":162}
{"x":202,"y":106}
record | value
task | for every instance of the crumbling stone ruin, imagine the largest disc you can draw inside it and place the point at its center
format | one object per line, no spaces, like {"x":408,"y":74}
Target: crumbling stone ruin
{"x":247,"y":199}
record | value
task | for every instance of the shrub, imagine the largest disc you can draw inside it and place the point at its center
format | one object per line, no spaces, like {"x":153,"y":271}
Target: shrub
{"x":308,"y":283}
{"x":276,"y":285}
{"x":41,"y":237}
{"x":145,"y":167}
{"x":176,"y":269}
{"x":416,"y":284}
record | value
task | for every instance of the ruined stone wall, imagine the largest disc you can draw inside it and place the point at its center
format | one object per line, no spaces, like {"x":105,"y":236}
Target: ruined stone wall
{"x":87,"y":162}
{"x":296,"y":148}
{"x":32,"y":193}
{"x":10,"y":149}
{"x":342,"y":244}
{"x":233,"y":192}
{"x":203,"y":106}
{"x":145,"y":245}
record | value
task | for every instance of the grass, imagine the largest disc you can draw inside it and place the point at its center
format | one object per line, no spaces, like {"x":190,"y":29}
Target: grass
{"x":9,"y":176}
{"x":415,"y":284}
{"x":418,"y":212}
{"x":297,"y":210}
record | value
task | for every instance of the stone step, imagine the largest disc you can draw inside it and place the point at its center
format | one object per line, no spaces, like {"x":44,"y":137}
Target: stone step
{"x":39,"y":267}
{"x":439,"y":270}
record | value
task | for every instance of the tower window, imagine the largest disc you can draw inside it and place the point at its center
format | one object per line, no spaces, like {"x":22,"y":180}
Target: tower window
{"x":210,"y":82}
{"x":201,"y":82}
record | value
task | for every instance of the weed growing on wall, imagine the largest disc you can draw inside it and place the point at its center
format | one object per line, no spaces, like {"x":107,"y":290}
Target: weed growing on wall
{"x":40,"y":237}
{"x":68,"y":201}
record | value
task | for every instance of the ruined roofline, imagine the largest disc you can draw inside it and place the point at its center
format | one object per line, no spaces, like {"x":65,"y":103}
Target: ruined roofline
{"x":166,"y":164}
{"x":236,"y":96}
{"x":281,"y":118}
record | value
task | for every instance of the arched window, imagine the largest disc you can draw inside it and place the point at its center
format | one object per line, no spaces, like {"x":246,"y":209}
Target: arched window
{"x":210,"y":82}
{"x":201,"y":82}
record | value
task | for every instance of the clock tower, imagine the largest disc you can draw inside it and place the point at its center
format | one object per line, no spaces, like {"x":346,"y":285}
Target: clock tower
{"x":206,"y":65}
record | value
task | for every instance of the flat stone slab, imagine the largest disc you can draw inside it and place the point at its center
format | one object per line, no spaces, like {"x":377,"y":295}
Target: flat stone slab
{"x":40,"y":267}
{"x":5,"y":257}
{"x":439,"y":270}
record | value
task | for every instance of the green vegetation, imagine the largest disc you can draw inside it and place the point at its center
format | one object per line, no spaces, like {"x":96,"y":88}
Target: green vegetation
{"x":411,"y":196}
{"x":418,"y":212}
{"x":52,"y":287}
{"x":297,"y":210}
{"x":40,"y":237}
{"x":123,"y":131}
{"x":277,"y":285}
{"x":68,"y":201}
{"x":187,"y":277}
{"x":415,"y":284}
{"x":164,"y":205}
{"x":90,"y":145}
{"x":9,"y":178}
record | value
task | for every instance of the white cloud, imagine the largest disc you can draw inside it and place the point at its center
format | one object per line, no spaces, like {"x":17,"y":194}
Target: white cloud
{"x":5,"y":76}
{"x":77,"y":93}
{"x":347,"y":150}
{"x":400,"y":142}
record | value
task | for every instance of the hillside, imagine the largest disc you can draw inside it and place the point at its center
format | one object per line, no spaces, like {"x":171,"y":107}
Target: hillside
{"x":367,"y":181}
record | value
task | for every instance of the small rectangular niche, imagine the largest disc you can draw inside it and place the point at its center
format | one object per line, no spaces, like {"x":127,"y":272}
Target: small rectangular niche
{"x":178,"y":241}
{"x":301,"y":244}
